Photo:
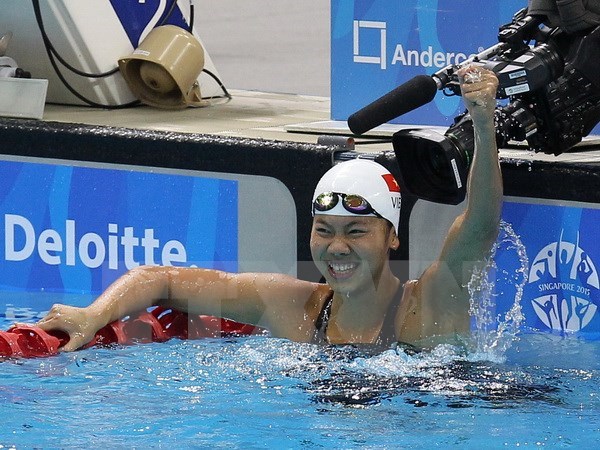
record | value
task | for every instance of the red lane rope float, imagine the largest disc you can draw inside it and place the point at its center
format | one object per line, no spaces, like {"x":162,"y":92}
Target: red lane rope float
{"x":29,"y":341}
{"x":158,"y":325}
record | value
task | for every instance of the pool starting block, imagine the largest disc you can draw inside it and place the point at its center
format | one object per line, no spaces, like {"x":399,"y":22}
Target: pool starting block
{"x":158,"y":325}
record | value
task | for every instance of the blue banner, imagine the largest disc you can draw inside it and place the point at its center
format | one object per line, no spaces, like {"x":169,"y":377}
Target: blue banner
{"x":562,"y":293}
{"x":76,"y":229}
{"x":377,"y":45}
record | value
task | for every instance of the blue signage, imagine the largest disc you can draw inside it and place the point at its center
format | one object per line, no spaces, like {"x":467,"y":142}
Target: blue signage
{"x":76,"y":229}
{"x":376,"y":45}
{"x":562,"y":292}
{"x":138,"y":16}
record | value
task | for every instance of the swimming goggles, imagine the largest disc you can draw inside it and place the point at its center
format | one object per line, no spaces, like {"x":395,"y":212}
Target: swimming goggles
{"x":353,"y":203}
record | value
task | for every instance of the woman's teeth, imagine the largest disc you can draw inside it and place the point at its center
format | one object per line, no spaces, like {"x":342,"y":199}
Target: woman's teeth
{"x":342,"y":267}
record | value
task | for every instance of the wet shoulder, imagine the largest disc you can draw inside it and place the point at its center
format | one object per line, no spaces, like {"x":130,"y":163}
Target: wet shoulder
{"x":293,"y":315}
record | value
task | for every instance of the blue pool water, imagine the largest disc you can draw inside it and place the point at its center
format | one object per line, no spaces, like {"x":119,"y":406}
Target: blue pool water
{"x":507,"y":388}
{"x":261,"y":392}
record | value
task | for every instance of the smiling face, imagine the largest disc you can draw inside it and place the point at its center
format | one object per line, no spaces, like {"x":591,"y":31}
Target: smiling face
{"x":352,"y":253}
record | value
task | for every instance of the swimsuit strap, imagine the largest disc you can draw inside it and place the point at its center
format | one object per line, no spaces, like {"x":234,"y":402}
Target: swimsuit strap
{"x":323,"y":320}
{"x":387,"y":334}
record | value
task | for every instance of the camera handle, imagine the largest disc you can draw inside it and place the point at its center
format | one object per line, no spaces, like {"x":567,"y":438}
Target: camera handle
{"x":512,"y":39}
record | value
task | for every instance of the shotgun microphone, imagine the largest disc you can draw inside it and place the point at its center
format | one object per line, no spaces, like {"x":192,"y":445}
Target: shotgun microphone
{"x":411,"y":95}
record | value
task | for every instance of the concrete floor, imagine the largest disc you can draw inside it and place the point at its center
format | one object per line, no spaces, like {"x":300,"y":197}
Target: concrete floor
{"x":278,"y":46}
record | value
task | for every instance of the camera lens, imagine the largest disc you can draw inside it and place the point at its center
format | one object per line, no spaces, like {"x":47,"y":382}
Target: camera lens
{"x":432,"y":164}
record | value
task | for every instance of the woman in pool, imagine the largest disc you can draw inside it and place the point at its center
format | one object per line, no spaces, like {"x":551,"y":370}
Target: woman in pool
{"x":356,"y":208}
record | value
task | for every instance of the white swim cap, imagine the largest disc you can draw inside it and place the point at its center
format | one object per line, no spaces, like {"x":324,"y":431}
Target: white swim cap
{"x":363,"y":178}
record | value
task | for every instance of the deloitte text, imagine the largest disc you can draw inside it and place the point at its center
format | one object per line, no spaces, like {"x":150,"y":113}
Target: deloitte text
{"x":93,"y":250}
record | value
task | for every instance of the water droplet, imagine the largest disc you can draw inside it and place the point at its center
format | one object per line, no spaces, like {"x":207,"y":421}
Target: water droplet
{"x":494,"y":334}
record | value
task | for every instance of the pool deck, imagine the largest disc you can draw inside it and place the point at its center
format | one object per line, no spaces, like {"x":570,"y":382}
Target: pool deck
{"x":249,"y":114}
{"x":271,"y":116}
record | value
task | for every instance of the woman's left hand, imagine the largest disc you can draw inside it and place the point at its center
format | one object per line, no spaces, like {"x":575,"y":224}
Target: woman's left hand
{"x":479,"y":87}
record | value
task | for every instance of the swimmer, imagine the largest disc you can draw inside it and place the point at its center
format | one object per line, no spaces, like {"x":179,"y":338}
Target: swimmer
{"x":356,"y":209}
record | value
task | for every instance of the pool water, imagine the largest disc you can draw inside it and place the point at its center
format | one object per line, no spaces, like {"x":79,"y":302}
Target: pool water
{"x":262,"y":392}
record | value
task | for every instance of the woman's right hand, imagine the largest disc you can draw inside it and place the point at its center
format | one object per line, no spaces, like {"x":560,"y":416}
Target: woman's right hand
{"x":76,"y":322}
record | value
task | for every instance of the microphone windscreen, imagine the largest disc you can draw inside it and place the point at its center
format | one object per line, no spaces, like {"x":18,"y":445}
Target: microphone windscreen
{"x":416,"y":92}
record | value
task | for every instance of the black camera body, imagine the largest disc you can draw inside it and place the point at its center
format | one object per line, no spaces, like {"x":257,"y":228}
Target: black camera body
{"x":553,"y":92}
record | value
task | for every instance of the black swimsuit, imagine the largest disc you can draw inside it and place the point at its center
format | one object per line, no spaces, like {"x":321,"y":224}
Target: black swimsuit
{"x":387,"y":334}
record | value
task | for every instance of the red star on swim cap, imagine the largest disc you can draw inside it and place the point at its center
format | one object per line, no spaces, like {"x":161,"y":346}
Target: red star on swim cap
{"x":391,"y":182}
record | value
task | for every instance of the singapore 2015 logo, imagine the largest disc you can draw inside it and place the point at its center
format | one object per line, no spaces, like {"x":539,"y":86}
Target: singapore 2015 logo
{"x":563,"y":283}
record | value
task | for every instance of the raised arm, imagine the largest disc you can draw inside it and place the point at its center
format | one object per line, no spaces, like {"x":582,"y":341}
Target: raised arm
{"x":440,"y":298}
{"x":473,"y":233}
{"x":259,"y":299}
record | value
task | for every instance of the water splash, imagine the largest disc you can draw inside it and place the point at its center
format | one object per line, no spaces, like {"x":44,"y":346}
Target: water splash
{"x":493,"y":333}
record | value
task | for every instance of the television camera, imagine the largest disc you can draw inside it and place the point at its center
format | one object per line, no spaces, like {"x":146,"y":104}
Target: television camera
{"x":550,"y":88}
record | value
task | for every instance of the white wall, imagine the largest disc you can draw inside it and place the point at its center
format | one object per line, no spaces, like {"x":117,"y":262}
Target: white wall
{"x":268,"y":45}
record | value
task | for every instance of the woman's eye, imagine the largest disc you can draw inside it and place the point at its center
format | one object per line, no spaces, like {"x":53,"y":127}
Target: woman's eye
{"x":357,"y":231}
{"x":322,"y":230}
